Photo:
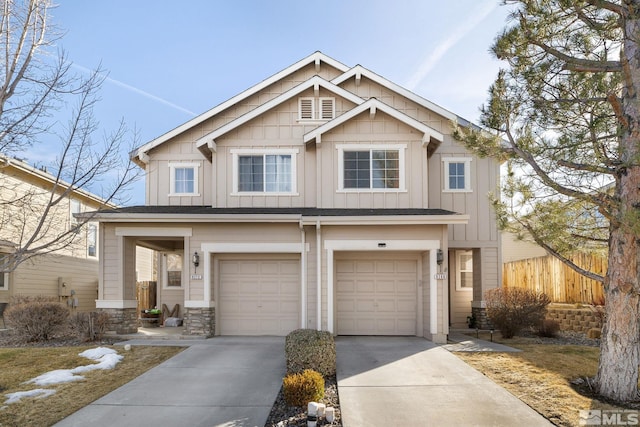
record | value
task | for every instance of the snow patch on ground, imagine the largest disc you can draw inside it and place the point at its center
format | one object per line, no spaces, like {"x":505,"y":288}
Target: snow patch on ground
{"x":37,"y":393}
{"x":107,"y":358}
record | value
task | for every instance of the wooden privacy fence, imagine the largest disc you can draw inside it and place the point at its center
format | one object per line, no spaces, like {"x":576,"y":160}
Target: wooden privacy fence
{"x":146,"y":295}
{"x":562,"y":284}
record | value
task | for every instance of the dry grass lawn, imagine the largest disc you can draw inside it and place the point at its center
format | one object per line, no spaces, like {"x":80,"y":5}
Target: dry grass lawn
{"x":540,"y":376}
{"x":22,"y":364}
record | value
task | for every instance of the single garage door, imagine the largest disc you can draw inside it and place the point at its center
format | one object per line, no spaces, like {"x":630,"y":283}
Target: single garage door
{"x":259,"y":297}
{"x":376,"y":297}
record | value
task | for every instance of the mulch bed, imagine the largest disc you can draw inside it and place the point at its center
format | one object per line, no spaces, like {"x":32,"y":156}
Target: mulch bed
{"x":284,"y":415}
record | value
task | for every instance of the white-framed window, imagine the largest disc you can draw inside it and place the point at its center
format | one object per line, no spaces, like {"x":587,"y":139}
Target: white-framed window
{"x":264,"y":171}
{"x":464,"y":269}
{"x":75,"y":207}
{"x":363,"y":167}
{"x":184,"y":179}
{"x":312,"y":108}
{"x":92,"y":240}
{"x":173,"y":270}
{"x":457,"y":174}
{"x":4,"y":275}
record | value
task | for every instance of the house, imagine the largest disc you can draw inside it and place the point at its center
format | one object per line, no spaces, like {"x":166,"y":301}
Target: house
{"x":323,"y":197}
{"x":69,"y":273}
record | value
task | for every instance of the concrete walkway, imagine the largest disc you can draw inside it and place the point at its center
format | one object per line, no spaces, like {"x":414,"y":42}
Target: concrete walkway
{"x":462,"y":342}
{"x":225,"y":381}
{"x":405,"y":381}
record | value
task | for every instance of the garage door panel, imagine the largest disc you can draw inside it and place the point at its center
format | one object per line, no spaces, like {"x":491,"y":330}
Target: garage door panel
{"x":406,"y":306}
{"x":259,"y":297}
{"x":385,"y":286}
{"x":376,"y":297}
{"x":346,"y":286}
{"x":365,"y":286}
{"x":365,"y":306}
{"x":365,"y":267}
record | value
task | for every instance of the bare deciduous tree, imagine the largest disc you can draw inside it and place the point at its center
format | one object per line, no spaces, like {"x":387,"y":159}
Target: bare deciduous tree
{"x":36,"y":82}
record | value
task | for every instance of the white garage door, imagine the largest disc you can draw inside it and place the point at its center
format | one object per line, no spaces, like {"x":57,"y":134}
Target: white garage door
{"x":376,"y":297}
{"x":259,"y":297}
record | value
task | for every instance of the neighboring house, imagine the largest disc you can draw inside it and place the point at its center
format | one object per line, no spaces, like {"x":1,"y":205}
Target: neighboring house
{"x":69,"y":274}
{"x":324,"y":197}
{"x":514,"y":249}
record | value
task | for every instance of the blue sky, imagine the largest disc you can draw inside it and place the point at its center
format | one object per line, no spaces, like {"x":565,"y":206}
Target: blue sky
{"x":168,"y":61}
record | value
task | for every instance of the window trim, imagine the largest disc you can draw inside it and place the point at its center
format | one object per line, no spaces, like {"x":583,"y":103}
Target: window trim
{"x":172,"y":178}
{"x":459,"y":270}
{"x":237,"y":152}
{"x":400,"y":148}
{"x":467,"y":174}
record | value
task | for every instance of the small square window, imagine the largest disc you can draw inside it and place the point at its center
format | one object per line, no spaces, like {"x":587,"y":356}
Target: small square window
{"x":184,"y":179}
{"x":457,"y":174}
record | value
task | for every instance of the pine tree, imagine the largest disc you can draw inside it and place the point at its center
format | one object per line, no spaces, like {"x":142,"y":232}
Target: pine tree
{"x":565,"y":116}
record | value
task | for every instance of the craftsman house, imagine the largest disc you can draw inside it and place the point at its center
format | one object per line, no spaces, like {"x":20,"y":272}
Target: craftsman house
{"x":326,"y":197}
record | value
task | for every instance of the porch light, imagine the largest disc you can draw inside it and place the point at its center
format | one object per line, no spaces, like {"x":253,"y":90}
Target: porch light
{"x":195,"y":259}
{"x":439,"y":257}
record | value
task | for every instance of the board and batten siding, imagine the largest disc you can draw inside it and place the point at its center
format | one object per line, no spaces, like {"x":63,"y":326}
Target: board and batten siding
{"x":382,"y":130}
{"x":183,"y":148}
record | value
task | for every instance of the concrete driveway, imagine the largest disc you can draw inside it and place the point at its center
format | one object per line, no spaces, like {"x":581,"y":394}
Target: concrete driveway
{"x":225,"y":381}
{"x":405,"y":381}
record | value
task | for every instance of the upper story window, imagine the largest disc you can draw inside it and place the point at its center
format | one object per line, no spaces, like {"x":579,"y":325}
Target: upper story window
{"x":92,"y":240}
{"x":457,"y":174}
{"x":371,"y":167}
{"x":264,"y":171}
{"x":316,"y":108}
{"x":74,"y":208}
{"x":184,"y":179}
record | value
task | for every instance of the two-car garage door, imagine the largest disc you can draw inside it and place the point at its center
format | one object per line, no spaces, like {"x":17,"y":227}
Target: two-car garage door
{"x":376,"y":296}
{"x":259,"y":296}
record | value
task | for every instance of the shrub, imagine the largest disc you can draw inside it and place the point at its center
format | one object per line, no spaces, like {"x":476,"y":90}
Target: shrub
{"x":511,"y":309}
{"x":89,"y":326}
{"x":36,"y":319}
{"x":310,"y":349}
{"x":302,"y":388}
{"x":548,"y":328}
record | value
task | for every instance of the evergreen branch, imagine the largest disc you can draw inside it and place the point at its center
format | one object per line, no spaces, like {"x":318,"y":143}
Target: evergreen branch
{"x":562,"y":258}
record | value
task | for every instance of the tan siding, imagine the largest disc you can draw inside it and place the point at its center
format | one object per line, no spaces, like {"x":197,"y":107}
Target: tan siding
{"x":515,"y":250}
{"x":361,"y":131}
{"x":40,"y":277}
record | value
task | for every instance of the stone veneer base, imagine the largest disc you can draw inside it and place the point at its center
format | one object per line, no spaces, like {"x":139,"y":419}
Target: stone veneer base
{"x":200,"y":321}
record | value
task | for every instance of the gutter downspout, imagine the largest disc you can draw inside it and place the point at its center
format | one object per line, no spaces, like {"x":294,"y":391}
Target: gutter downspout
{"x":319,"y":277}
{"x":303,"y":278}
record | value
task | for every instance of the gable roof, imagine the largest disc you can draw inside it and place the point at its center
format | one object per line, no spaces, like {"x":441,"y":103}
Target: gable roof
{"x":358,"y":71}
{"x":48,"y":180}
{"x":315,"y":82}
{"x":373,"y":105}
{"x":315,"y":58}
{"x":207,"y":143}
